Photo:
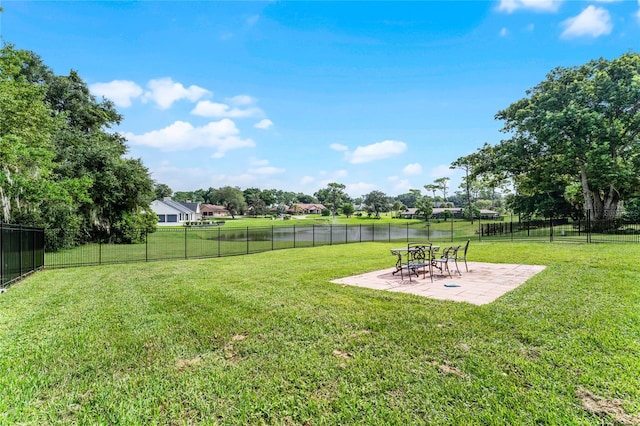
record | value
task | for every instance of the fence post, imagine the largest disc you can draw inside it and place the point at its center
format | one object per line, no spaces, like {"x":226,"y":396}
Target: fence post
{"x":1,"y":256}
{"x":346,"y":233}
{"x":146,"y":245}
{"x":389,"y":231}
{"x":479,"y":228}
{"x":551,"y":229}
{"x":185,"y":242}
{"x":294,"y":235}
{"x":272,"y":237}
{"x":99,"y":251}
{"x":331,"y":234}
{"x":360,"y":237}
{"x":247,"y":240}
{"x":313,"y":235}
{"x":20,"y":258}
{"x":219,"y":242}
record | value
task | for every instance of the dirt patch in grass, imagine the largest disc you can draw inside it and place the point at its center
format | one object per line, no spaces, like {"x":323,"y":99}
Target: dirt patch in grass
{"x":229,"y":351}
{"x":340,"y":354}
{"x":448,"y":369}
{"x":606,"y":407}
{"x":183,"y":364}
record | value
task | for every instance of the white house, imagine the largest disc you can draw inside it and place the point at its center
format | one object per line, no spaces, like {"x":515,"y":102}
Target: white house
{"x":173,"y":213}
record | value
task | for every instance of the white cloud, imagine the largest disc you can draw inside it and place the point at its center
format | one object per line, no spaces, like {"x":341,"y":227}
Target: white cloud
{"x":401,"y":186}
{"x":443,"y":170}
{"x":220,"y":135}
{"x":218,"y":110}
{"x":510,"y":6}
{"x":120,"y":92}
{"x":338,"y":147}
{"x":592,"y":22}
{"x":414,"y":169}
{"x":376,"y":151}
{"x":306,"y":180}
{"x":638,"y":13}
{"x":164,"y":92}
{"x":504,"y":32}
{"x":359,"y":189}
{"x":263,"y":124}
{"x":242,"y":100}
{"x":267,"y":170}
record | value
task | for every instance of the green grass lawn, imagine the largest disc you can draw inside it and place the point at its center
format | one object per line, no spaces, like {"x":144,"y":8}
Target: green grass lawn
{"x":266,"y":339}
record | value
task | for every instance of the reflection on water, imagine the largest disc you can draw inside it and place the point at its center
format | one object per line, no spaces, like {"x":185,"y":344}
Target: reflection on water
{"x":330,"y":234}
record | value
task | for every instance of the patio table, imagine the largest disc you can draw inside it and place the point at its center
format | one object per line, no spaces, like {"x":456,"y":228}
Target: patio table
{"x":403,"y":256}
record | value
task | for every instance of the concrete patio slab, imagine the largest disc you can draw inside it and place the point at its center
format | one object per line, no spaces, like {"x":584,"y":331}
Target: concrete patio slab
{"x":484,"y":282}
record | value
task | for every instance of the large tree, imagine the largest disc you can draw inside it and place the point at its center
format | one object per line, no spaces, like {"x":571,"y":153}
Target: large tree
{"x":230,"y":197}
{"x":580,"y":125}
{"x":333,"y":196}
{"x":61,"y":167}
{"x":377,"y":202}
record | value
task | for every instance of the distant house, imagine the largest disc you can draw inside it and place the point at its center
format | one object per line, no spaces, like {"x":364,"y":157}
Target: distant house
{"x":410,"y":213}
{"x":210,"y":210}
{"x":438,"y":212}
{"x":173,"y":213}
{"x":489,"y":214}
{"x":304,"y":208}
{"x":456,"y":212}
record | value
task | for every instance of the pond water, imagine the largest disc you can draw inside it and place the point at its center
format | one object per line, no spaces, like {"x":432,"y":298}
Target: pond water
{"x":330,"y":233}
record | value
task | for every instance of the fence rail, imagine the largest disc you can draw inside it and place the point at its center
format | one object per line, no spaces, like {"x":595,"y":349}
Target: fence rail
{"x":194,"y":242}
{"x":21,"y":252}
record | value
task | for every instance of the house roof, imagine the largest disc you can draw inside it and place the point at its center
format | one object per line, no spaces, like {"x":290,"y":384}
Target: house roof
{"x":178,"y":206}
{"x":308,"y":206}
{"x":192,"y":206}
{"x":212,"y":208}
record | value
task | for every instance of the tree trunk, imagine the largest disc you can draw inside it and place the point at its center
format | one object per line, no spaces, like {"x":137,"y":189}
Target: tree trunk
{"x":586,"y":193}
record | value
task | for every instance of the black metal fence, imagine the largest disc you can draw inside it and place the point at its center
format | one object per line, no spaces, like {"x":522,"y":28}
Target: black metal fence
{"x":219,"y":241}
{"x":21,"y":252}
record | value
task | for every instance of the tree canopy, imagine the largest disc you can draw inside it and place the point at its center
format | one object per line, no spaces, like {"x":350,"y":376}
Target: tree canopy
{"x":579,"y":128}
{"x":61,"y":167}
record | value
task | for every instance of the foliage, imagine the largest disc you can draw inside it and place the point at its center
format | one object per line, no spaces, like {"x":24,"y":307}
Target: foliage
{"x":424,"y":207}
{"x":398,"y":207}
{"x":443,"y":185}
{"x":632,"y":210}
{"x":347,"y":209}
{"x":580,"y":125}
{"x":61,"y":168}
{"x":162,"y":191}
{"x":230,"y":197}
{"x":376,"y":202}
{"x":333,"y":196}
{"x":408,"y":199}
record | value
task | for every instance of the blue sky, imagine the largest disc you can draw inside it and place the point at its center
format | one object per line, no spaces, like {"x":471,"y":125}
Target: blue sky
{"x":294,"y":95}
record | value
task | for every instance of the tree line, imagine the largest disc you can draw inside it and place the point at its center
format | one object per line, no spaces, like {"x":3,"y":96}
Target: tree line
{"x":259,"y":202}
